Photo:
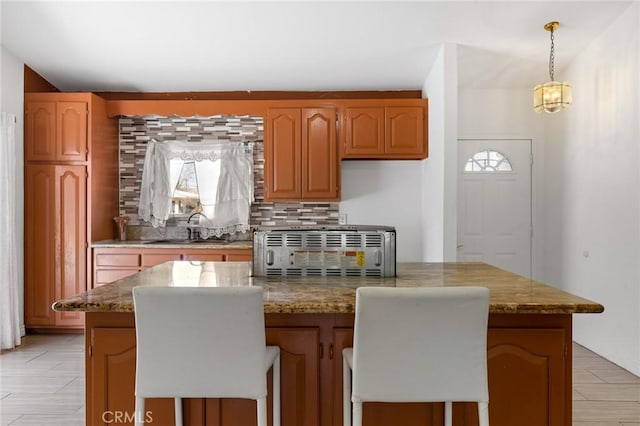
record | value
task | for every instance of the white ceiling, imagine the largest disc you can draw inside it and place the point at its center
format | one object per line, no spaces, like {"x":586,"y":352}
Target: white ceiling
{"x":302,"y":45}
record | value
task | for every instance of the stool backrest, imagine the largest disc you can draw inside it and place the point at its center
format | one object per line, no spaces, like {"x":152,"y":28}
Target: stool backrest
{"x":200,"y":342}
{"x":420,"y":344}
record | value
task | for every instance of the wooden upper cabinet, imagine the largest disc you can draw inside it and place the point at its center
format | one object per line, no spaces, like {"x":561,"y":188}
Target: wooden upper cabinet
{"x":56,"y":131}
{"x":300,"y":154}
{"x":364,"y":131}
{"x":404,"y":130}
{"x":282,"y":154}
{"x":385,"y":131}
{"x":72,"y":131}
{"x":319,"y":157}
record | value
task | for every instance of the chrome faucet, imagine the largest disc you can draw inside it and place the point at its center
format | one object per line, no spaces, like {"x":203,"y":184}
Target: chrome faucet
{"x":194,"y":232}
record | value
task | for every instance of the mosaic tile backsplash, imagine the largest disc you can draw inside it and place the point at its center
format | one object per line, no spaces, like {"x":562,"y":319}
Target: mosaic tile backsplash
{"x":136,"y":132}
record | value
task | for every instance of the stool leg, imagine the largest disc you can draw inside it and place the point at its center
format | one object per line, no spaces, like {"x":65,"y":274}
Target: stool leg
{"x":262,"y":412}
{"x":139,"y":411}
{"x":357,"y":414}
{"x":276,"y":390}
{"x":483,"y":413}
{"x":346,"y":393}
{"x":177,"y":402}
{"x":448,"y":413}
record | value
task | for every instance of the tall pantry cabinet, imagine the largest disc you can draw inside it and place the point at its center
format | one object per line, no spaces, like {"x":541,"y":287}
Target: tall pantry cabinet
{"x":71,"y":197}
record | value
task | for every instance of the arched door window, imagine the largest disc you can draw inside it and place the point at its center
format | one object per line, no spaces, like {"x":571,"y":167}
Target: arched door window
{"x":488,"y":161}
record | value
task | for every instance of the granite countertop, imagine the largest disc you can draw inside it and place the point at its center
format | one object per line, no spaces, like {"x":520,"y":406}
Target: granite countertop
{"x":510,"y":293}
{"x":181,"y":244}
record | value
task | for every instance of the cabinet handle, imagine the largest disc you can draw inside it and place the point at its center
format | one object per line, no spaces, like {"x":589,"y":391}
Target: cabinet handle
{"x":331,"y":351}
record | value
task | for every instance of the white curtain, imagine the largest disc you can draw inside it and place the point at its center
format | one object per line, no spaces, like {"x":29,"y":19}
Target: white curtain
{"x":9,"y":305}
{"x":225,"y":180}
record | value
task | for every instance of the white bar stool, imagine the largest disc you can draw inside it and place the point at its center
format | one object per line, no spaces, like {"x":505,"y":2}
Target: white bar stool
{"x":418,"y":345}
{"x":203,"y":342}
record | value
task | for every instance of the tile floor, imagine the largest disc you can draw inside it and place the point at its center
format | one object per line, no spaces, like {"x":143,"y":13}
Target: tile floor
{"x":42,"y":383}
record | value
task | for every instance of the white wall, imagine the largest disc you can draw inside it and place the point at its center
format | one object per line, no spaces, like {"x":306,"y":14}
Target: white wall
{"x":11,"y":101}
{"x":506,"y":113}
{"x":592,"y":188}
{"x":438,"y":173}
{"x":386,"y":193}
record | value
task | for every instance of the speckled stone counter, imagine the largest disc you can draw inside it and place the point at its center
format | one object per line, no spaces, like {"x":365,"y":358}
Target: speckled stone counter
{"x":205,"y":244}
{"x":510,"y":293}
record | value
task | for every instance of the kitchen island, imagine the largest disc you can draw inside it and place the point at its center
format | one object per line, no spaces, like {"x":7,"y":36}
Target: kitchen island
{"x":311,"y":319}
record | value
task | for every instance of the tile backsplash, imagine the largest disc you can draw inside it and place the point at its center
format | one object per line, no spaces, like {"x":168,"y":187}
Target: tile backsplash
{"x":135,"y":132}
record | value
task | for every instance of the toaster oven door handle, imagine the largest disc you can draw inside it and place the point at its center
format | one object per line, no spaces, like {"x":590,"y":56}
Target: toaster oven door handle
{"x":269,"y":257}
{"x":378,"y":258}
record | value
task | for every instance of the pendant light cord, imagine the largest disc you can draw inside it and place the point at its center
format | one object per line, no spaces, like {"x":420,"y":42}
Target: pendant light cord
{"x":551,"y":56}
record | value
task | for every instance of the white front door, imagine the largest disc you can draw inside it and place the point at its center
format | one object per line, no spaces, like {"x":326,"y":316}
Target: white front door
{"x":494,"y":203}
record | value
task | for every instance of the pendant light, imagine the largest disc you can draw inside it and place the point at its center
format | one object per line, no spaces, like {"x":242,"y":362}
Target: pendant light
{"x":552,"y":96}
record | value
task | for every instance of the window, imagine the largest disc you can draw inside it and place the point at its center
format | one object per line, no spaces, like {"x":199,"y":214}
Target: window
{"x":215,"y":178}
{"x":488,"y":161}
{"x":186,"y":192}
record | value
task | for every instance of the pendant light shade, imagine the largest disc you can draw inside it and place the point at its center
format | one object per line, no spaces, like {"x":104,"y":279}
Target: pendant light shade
{"x":552,"y":96}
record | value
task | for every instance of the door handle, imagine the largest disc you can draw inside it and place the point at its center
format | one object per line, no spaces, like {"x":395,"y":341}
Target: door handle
{"x":460,"y":246}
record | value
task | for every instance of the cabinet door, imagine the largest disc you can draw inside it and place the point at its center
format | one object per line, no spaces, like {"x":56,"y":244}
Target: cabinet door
{"x":532,"y":356}
{"x":111,"y":371}
{"x":71,"y":134}
{"x":71,"y":238}
{"x":282,"y":156}
{"x":299,"y":384}
{"x":40,"y":131}
{"x":56,"y":131}
{"x":364,"y":131}
{"x":404,"y":130}
{"x":320,"y":165}
{"x":380,"y":414}
{"x":40,"y":245}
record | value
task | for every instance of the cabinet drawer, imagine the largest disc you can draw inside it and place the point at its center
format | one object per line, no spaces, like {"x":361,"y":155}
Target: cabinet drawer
{"x":153,"y":259}
{"x":120,"y":259}
{"x":204,"y":257}
{"x":104,"y":276}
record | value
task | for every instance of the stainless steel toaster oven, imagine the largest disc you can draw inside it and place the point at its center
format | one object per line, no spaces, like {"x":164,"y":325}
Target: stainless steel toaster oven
{"x":330,"y":250}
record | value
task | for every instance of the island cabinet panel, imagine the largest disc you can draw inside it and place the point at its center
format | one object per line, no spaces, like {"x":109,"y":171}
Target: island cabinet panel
{"x":536,"y":356}
{"x":111,"y":372}
{"x":299,"y":383}
{"x":386,"y":131}
{"x":111,"y":363}
{"x":55,"y":227}
{"x":301,"y":161}
{"x":529,"y":369}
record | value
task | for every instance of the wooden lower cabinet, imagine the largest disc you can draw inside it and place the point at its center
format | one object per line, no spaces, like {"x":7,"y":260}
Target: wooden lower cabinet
{"x":529,"y":364}
{"x":110,"y":264}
